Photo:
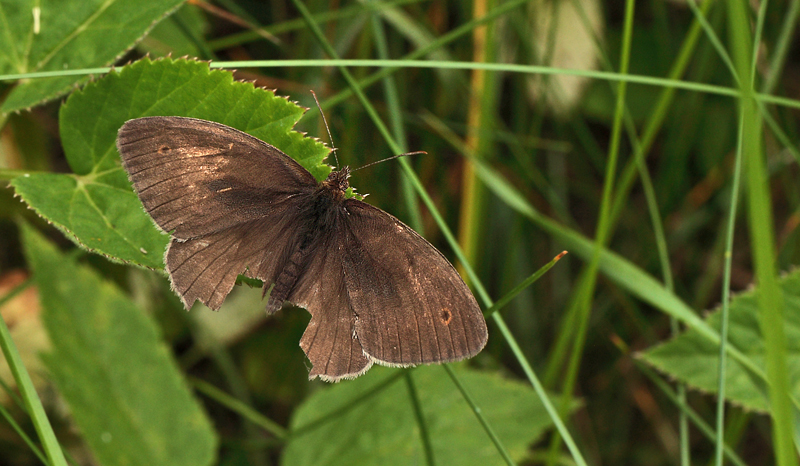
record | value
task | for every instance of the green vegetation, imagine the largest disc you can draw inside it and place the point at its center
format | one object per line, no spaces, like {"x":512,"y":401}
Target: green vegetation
{"x":656,"y":142}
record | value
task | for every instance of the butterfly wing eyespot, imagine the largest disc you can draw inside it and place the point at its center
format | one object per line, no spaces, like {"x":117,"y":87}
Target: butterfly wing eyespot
{"x":446,"y":316}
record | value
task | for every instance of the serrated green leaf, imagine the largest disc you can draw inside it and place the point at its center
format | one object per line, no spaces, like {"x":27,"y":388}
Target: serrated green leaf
{"x":99,"y":217}
{"x":124,"y":389}
{"x":381,"y":428}
{"x":68,"y":34}
{"x":694,"y":360}
{"x":96,"y":206}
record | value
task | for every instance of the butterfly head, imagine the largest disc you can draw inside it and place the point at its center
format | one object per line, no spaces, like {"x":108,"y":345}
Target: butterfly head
{"x":337,"y":181}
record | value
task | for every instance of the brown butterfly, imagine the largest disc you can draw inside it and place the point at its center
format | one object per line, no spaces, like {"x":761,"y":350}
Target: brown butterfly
{"x":376,"y":290}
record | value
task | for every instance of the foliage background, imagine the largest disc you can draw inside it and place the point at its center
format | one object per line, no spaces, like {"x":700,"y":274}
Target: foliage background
{"x":525,"y":160}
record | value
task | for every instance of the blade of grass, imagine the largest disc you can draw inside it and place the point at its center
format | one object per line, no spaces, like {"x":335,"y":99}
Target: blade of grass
{"x":479,"y":414}
{"x":603,"y":224}
{"x":21,"y":432}
{"x":425,"y":436}
{"x":760,"y":223}
{"x":453,"y":65}
{"x":501,"y":303}
{"x":239,"y":407}
{"x":32,"y":402}
{"x":726,"y":285}
{"x":696,"y":419}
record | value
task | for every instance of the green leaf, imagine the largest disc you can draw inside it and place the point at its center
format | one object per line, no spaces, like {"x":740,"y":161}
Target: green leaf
{"x":694,"y":360}
{"x":96,"y":206}
{"x":71,"y":34}
{"x":99,"y":217}
{"x":376,"y":424}
{"x":123,"y":387}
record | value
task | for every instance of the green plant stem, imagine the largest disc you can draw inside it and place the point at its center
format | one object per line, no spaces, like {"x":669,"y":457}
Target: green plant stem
{"x":604,"y":222}
{"x":482,"y":100}
{"x":450,"y":65}
{"x":770,"y":297}
{"x":479,"y":414}
{"x":696,"y":419}
{"x":239,"y":407}
{"x":32,"y":402}
{"x":726,"y":285}
{"x":424,"y":434}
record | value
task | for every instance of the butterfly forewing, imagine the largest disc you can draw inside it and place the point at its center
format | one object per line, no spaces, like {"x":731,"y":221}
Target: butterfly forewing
{"x":411,"y":305}
{"x":197,"y":177}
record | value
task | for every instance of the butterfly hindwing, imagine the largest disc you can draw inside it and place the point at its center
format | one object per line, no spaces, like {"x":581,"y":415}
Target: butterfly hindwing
{"x":205,"y":268}
{"x":330,"y":341}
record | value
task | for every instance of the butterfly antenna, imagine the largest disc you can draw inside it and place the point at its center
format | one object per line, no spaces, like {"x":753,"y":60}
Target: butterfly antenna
{"x":330,"y":138}
{"x":390,"y":158}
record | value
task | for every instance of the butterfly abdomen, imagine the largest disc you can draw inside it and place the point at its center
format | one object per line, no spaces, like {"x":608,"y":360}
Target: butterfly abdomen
{"x":317,"y":222}
{"x":286,"y":280}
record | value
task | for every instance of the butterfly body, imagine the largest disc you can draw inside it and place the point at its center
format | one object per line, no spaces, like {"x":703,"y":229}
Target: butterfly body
{"x":376,"y":290}
{"x":319,"y":215}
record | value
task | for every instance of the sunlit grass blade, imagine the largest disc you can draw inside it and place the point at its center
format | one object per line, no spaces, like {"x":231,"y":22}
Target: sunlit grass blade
{"x":240,"y":408}
{"x":32,"y":402}
{"x":501,"y":303}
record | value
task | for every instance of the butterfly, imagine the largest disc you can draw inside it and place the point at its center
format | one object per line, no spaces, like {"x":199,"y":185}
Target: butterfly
{"x":377,"y":291}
